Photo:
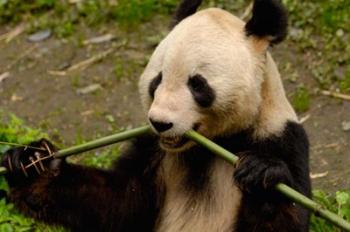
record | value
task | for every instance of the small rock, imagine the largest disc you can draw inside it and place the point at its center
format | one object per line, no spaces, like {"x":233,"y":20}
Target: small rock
{"x":296,"y":33}
{"x":99,"y":39}
{"x":340,"y":33}
{"x":40,"y":35}
{"x":345,"y":125}
{"x":4,"y":76}
{"x":89,"y":89}
{"x":64,"y":66}
{"x":15,"y":98}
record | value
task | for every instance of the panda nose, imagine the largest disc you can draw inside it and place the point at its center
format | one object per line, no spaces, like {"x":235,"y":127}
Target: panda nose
{"x":161,"y":126}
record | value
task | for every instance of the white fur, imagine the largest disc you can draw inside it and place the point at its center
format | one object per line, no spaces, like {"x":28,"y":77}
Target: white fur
{"x":215,"y":212}
{"x":210,"y":43}
{"x":275,"y":109}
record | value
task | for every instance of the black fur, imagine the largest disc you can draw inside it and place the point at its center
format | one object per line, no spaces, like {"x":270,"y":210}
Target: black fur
{"x":21,"y":155}
{"x":197,"y":162}
{"x":154,"y":84}
{"x":202,"y":93}
{"x":269,"y":20}
{"x":185,"y":9}
{"x":280,"y":159}
{"x":127,"y":198}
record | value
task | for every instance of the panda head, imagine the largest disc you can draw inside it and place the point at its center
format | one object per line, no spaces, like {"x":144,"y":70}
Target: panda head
{"x":207,"y":74}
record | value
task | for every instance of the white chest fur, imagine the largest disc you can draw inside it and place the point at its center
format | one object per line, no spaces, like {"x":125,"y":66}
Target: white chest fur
{"x":216,"y":208}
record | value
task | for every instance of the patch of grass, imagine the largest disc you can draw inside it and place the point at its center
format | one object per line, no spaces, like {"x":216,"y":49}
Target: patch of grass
{"x":344,"y":84}
{"x":65,"y":30}
{"x":133,"y":11}
{"x":338,"y":203}
{"x":321,"y":30}
{"x":103,"y":159}
{"x":301,"y":99}
{"x":125,"y":67}
{"x":76,"y":81}
{"x":12,"y":129}
{"x":17,"y":10}
{"x":63,"y":16}
{"x":118,"y":70}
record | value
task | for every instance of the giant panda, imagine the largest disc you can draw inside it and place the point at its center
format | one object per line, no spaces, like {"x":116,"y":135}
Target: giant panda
{"x":213,"y":74}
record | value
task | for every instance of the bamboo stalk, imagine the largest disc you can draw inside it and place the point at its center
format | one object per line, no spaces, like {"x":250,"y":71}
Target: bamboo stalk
{"x":292,"y":194}
{"x":105,"y":141}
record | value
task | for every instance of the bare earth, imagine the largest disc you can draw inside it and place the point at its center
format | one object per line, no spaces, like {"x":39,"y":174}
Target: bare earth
{"x":63,"y":106}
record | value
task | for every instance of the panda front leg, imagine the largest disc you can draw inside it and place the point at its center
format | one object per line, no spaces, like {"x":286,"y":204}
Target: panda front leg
{"x":273,"y":161}
{"x":77,"y":197}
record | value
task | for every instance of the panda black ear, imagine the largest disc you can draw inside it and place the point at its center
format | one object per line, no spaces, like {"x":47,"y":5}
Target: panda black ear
{"x":269,"y":21}
{"x":185,"y":9}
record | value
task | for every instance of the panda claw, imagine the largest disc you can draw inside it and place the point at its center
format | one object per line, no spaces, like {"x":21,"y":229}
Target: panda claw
{"x":255,"y":174}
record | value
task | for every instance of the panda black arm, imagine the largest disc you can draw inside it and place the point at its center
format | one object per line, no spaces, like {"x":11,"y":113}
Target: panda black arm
{"x":277,"y":159}
{"x":281,"y":159}
{"x":88,"y":199}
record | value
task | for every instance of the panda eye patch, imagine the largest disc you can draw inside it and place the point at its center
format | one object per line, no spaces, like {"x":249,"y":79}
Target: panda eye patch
{"x":197,"y":83}
{"x":202,"y":93}
{"x":154,"y":84}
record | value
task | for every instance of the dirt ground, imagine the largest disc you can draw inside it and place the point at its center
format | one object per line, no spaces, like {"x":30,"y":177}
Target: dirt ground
{"x":103,"y":97}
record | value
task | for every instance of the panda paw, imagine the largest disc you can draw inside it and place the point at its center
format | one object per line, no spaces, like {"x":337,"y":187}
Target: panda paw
{"x":255,"y":174}
{"x":25,"y":163}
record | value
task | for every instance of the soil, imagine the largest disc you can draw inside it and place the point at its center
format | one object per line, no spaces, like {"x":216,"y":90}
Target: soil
{"x":56,"y":103}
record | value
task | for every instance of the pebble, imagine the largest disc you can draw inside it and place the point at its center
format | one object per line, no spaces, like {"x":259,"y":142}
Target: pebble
{"x":345,"y":125}
{"x":40,"y":35}
{"x":89,"y":89}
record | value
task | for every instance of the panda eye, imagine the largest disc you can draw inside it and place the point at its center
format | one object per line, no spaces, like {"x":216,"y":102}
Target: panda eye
{"x":196,"y":83}
{"x":202,"y":93}
{"x":154,"y":84}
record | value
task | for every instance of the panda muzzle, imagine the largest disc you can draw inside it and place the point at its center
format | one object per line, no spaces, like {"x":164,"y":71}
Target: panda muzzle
{"x":173,"y":142}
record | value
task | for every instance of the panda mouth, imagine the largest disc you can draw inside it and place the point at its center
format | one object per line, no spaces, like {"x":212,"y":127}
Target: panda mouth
{"x":175,"y":142}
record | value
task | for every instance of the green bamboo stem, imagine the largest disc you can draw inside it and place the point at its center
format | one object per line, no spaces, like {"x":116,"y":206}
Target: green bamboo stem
{"x":297,"y":197}
{"x":105,"y":141}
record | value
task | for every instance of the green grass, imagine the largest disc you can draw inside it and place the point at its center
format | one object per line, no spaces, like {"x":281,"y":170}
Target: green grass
{"x":125,"y":67}
{"x":301,"y":99}
{"x":63,"y":16}
{"x":12,"y":129}
{"x":338,"y":203}
{"x":321,"y":30}
{"x":344,"y":84}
